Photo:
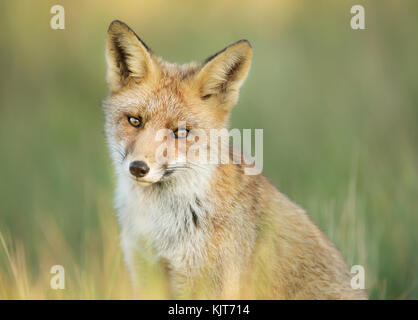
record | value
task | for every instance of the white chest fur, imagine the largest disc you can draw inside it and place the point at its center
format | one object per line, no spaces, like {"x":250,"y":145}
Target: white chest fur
{"x":170,"y":219}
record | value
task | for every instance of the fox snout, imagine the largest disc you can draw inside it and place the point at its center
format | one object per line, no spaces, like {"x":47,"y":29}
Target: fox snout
{"x":138,"y":169}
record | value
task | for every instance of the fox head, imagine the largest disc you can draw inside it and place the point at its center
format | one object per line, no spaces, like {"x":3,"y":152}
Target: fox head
{"x":149,"y":96}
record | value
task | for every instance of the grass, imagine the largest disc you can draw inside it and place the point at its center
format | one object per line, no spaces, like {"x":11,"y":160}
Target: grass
{"x":338,"y":108}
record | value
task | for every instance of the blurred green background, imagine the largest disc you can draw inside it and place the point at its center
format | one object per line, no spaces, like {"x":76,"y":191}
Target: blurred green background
{"x":339,"y":109}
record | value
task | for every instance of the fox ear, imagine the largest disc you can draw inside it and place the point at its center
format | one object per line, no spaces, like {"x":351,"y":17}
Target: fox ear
{"x":128,"y":57}
{"x":223,"y":74}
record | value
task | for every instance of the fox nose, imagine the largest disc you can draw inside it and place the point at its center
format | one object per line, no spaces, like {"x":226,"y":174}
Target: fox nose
{"x":138,"y":169}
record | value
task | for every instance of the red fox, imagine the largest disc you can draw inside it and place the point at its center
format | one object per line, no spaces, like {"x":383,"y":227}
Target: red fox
{"x":218,"y":232}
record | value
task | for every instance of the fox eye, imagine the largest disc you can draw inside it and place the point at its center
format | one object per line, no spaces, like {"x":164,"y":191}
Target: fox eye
{"x":135,"y":122}
{"x":180,"y":133}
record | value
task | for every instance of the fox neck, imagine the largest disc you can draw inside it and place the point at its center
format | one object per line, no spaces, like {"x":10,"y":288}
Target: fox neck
{"x":172,"y":217}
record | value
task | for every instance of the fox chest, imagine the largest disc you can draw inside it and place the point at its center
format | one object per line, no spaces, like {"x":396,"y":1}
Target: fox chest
{"x":172,"y":227}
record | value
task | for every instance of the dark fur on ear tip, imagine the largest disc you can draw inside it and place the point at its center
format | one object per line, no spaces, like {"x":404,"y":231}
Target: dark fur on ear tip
{"x":242,"y":40}
{"x":123,"y":24}
{"x":116,"y":22}
{"x":231,"y":45}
